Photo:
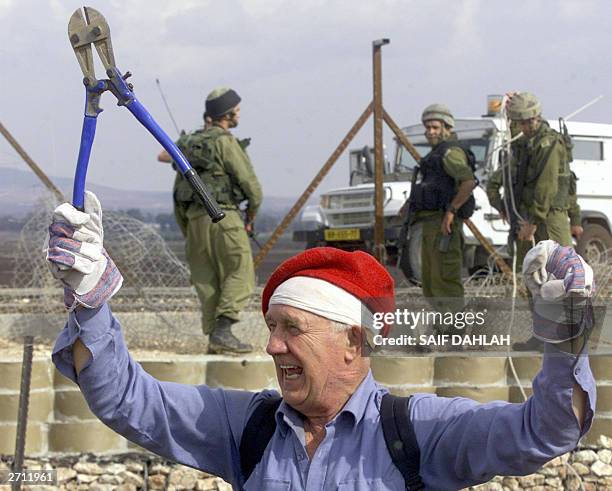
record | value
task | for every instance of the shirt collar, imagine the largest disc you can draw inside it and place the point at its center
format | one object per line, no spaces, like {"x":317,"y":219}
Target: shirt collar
{"x":354,"y":408}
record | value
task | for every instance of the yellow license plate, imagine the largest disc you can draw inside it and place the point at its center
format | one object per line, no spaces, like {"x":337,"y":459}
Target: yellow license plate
{"x":337,"y":234}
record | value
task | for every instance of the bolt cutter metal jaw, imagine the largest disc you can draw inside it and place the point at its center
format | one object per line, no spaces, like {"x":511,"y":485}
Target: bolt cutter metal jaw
{"x":90,"y":27}
{"x":85,"y":28}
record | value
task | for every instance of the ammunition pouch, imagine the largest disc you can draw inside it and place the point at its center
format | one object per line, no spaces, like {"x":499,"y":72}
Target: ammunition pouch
{"x":561,"y":200}
{"x":573,"y":183}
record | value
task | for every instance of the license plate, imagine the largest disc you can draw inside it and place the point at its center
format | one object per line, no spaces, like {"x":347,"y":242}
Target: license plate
{"x":338,"y":234}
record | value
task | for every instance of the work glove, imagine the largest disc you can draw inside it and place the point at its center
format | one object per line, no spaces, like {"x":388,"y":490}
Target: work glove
{"x":76,"y":256}
{"x":562,"y":285}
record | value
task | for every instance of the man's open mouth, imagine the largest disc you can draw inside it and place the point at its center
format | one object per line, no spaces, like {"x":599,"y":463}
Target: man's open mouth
{"x":291,"y":372}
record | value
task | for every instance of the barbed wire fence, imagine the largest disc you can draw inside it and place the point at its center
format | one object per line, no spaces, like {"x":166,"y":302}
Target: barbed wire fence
{"x":156,"y":283}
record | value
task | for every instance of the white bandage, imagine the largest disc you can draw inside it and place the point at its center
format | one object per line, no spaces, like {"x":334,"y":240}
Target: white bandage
{"x":322,"y":298}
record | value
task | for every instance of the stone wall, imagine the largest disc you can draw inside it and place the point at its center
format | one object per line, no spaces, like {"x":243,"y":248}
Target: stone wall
{"x":120,"y":472}
{"x":587,"y":468}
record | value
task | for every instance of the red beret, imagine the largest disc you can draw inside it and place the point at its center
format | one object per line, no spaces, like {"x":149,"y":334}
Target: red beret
{"x":355,"y":272}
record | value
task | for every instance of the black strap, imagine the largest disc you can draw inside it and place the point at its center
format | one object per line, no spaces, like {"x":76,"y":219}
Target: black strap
{"x":401,"y":439}
{"x":257,"y":434}
{"x":398,"y":431}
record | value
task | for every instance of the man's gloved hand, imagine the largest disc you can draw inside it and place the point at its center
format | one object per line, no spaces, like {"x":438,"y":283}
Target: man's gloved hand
{"x":553,"y":271}
{"x":74,"y":249}
{"x":561,"y":283}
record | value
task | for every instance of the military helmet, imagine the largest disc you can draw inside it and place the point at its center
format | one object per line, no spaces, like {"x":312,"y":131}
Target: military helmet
{"x":221,"y":101}
{"x":438,"y":112}
{"x":524,"y":105}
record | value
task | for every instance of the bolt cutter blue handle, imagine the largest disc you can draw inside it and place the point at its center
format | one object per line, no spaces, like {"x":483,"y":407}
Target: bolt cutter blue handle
{"x":93,"y":90}
{"x":87,"y":137}
{"x":142,"y":115}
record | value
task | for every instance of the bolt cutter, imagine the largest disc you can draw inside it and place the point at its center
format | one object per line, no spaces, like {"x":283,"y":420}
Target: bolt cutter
{"x":90,"y":27}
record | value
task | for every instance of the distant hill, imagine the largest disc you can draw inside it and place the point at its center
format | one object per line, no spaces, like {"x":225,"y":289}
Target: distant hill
{"x":20,"y":189}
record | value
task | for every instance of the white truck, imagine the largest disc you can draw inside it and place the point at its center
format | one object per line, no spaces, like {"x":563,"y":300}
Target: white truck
{"x":345,"y":216}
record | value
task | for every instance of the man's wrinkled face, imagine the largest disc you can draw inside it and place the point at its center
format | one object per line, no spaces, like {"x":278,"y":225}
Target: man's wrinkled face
{"x":234,"y":117}
{"x":530,"y":126}
{"x":435,"y":132}
{"x":309,"y":355}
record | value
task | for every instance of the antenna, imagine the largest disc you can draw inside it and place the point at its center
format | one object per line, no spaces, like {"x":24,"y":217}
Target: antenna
{"x":161,"y":92}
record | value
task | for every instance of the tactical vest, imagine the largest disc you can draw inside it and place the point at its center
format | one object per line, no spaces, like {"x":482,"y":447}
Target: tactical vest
{"x":200,"y":150}
{"x":533,"y":169}
{"x":436,"y":189}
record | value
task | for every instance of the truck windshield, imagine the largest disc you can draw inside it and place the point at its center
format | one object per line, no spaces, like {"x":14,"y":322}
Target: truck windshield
{"x":477,"y":134}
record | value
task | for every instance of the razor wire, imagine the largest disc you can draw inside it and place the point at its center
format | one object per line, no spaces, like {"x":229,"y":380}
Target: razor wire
{"x":155,"y":279}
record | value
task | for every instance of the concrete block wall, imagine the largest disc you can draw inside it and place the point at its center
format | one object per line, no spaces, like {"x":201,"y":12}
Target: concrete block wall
{"x":60,"y":421}
{"x":41,"y":404}
{"x":602,"y":371}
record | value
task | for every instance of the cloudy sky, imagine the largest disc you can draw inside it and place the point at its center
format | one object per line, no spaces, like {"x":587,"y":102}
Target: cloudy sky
{"x":303,"y":69}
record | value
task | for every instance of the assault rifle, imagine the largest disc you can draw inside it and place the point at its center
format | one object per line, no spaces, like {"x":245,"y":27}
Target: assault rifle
{"x":403,"y":242}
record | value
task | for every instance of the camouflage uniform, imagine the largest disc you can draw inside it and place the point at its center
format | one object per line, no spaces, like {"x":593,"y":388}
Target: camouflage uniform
{"x":219,"y":255}
{"x":545,"y":199}
{"x":574,"y":208}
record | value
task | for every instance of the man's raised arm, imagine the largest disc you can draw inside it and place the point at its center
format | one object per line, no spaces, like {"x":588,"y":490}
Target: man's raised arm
{"x":194,"y":425}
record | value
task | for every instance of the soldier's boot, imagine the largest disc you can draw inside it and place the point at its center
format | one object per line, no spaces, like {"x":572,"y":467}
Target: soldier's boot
{"x":223,"y":341}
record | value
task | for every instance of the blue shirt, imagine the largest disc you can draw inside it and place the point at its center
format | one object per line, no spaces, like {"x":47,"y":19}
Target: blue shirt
{"x":462,"y":442}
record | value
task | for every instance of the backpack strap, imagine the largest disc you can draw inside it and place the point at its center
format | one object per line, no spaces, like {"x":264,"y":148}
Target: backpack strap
{"x":401,"y":439}
{"x":257,"y":434}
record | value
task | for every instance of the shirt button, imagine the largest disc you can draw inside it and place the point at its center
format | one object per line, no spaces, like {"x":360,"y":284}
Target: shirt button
{"x":577,"y":371}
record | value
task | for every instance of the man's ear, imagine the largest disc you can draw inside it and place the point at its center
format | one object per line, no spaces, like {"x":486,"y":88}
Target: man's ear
{"x":355,"y":342}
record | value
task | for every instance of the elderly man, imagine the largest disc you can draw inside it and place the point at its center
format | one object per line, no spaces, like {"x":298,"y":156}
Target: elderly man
{"x":328,"y":432}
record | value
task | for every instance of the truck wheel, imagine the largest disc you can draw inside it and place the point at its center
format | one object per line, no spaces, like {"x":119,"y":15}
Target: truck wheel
{"x":476,"y":260}
{"x":410,"y":260}
{"x":595,"y":244}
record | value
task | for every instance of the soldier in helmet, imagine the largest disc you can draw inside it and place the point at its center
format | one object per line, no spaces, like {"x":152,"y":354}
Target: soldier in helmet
{"x":219,"y":255}
{"x":539,"y":181}
{"x":540,"y":192}
{"x":440,"y":201}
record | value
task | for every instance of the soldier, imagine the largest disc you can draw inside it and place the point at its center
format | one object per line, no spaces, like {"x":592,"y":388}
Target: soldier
{"x":539,"y":179}
{"x":542,"y":190}
{"x":219,"y":255}
{"x":440,"y":202}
